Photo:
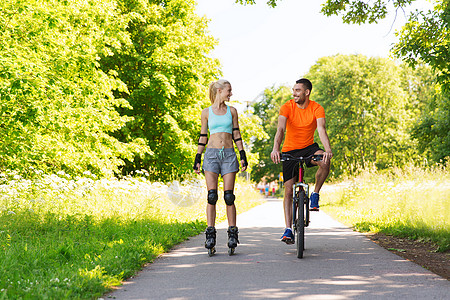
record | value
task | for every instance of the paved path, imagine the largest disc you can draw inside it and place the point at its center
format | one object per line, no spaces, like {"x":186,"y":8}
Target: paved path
{"x":338,"y":264}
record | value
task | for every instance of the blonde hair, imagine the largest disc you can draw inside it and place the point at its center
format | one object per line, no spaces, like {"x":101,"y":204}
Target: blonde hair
{"x":219,"y":84}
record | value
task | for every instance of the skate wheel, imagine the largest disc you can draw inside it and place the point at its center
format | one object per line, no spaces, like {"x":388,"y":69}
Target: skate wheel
{"x":211,"y":251}
{"x":230,"y":251}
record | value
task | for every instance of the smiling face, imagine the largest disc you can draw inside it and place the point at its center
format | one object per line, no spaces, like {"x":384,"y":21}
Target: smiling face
{"x":300,"y":93}
{"x":225,"y":93}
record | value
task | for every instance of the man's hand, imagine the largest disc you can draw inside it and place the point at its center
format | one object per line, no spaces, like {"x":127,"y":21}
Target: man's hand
{"x":327,"y":155}
{"x":276,"y":156}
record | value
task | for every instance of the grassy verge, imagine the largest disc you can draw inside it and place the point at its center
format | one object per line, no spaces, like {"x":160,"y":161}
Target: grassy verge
{"x":409,"y":203}
{"x":66,"y":238}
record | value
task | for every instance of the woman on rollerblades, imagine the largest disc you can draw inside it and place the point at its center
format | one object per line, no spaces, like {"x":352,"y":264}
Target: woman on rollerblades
{"x":220,"y":159}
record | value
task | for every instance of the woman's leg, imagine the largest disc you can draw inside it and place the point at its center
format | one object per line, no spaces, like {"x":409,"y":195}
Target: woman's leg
{"x":228,"y":184}
{"x":211,"y":184}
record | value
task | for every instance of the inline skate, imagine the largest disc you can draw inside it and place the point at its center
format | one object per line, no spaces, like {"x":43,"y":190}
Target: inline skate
{"x":232,"y":239}
{"x":210,"y":242}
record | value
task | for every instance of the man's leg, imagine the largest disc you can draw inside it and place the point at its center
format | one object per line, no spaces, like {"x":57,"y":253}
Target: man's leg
{"x":288,"y":236}
{"x":287,"y":202}
{"x":321,"y":174}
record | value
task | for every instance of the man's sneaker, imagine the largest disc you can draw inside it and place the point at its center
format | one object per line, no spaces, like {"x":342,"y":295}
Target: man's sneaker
{"x":314,"y":206}
{"x":288,"y":236}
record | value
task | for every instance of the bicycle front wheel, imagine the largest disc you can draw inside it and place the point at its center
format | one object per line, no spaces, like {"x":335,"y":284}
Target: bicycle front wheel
{"x":300,"y":225}
{"x":306,"y":210}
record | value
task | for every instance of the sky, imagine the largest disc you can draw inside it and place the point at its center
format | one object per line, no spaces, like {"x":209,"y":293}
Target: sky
{"x":260,"y":46}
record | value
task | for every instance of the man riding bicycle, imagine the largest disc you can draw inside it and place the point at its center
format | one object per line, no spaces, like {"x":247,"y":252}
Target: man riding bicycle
{"x":299,"y":118}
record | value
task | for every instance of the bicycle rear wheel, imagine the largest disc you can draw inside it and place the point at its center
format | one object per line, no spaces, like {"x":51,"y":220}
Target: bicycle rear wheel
{"x":300,"y":225}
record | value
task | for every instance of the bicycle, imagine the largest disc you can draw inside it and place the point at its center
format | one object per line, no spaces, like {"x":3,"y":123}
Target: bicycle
{"x":300,"y":201}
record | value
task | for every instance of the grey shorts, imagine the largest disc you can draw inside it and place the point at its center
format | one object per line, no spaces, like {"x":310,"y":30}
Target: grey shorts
{"x":220,"y":161}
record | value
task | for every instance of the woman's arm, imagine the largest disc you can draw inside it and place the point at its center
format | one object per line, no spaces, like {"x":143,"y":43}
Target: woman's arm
{"x":202,"y":141}
{"x":237,"y":137}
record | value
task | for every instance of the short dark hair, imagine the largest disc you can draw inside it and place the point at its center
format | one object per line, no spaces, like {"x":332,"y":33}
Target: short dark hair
{"x":306,"y":83}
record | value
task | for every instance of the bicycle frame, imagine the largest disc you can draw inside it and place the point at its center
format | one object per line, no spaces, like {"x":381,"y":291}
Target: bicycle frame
{"x":300,"y":201}
{"x":300,"y":182}
{"x":299,"y":185}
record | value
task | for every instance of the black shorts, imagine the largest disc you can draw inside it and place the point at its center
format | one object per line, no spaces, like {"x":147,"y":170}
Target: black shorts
{"x":290,"y":168}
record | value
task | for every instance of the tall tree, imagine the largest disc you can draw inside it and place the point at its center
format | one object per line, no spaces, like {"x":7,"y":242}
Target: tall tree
{"x":267,"y":109}
{"x":56,"y":105}
{"x":167,"y":70}
{"x":426,"y":37}
{"x":368,"y":109}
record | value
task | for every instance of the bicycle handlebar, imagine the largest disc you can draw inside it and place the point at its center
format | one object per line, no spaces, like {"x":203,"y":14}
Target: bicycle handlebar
{"x":314,"y":157}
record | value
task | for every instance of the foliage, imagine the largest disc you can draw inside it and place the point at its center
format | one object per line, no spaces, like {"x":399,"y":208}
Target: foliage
{"x":352,"y":11}
{"x":426,"y":37}
{"x":252,"y":130}
{"x":271,"y":3}
{"x":74,"y":238}
{"x":368,"y":107}
{"x":267,"y":109}
{"x":166,"y":70}
{"x":72,"y":74}
{"x":360,"y":11}
{"x":56,"y":105}
{"x":395,"y":203}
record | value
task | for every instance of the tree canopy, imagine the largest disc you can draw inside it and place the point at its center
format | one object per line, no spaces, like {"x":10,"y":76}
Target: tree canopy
{"x":106,"y":86}
{"x":424,"y":39}
{"x":370,"y":105}
{"x":352,"y":11}
{"x":56,"y":105}
{"x":167,"y":70}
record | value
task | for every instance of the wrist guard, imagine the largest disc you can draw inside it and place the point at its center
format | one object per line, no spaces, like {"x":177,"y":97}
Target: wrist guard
{"x":198,"y":160}
{"x":243,"y":157}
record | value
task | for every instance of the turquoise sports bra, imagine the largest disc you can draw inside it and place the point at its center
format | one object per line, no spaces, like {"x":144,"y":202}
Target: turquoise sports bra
{"x":223,"y":123}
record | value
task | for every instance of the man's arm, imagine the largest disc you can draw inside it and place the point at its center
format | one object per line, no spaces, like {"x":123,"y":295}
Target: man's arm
{"x":281,"y":128}
{"x":321,"y":129}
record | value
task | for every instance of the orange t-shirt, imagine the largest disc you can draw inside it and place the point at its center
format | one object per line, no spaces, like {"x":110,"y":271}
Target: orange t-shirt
{"x":300,"y":124}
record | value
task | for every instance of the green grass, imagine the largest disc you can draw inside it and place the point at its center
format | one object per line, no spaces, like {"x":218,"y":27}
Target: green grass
{"x":411,"y":203}
{"x":63,"y":238}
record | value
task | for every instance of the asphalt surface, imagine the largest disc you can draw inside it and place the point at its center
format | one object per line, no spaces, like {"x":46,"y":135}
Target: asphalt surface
{"x":338,"y":263}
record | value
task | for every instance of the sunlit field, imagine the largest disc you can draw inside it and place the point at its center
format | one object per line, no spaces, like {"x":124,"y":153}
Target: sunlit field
{"x":63,"y":237}
{"x":411,"y":203}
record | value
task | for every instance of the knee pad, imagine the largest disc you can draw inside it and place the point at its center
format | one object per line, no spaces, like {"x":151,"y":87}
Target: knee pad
{"x":212,"y":197}
{"x":229,"y":197}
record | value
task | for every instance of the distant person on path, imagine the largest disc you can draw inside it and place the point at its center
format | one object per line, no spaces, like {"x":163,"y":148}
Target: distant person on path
{"x":267,"y":189}
{"x":299,"y":118}
{"x":220,"y":158}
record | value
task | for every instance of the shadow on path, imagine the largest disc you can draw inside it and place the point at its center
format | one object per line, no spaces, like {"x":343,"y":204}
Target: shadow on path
{"x":338,"y":264}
